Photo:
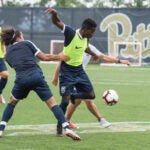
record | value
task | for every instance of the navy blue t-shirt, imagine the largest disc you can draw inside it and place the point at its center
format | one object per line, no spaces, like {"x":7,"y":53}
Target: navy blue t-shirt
{"x":22,"y":57}
{"x":69,"y":34}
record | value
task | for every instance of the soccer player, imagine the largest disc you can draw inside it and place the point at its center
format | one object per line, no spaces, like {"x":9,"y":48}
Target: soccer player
{"x":21,"y":56}
{"x":3,"y":71}
{"x":72,"y":73}
{"x":90,"y":104}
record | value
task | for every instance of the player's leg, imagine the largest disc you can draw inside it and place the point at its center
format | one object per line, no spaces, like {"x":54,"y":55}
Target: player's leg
{"x":84,"y":88}
{"x":58,"y":113}
{"x":94,"y":110}
{"x":66,"y":88}
{"x":7,"y":114}
{"x":86,"y":91}
{"x":17,"y":94}
{"x":3,"y":80}
{"x":44,"y":92}
{"x":63,"y":105}
{"x":70,"y":110}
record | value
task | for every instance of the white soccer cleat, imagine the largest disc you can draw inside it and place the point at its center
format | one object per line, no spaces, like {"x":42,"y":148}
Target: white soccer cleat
{"x":105,"y":123}
{"x":72,"y":135}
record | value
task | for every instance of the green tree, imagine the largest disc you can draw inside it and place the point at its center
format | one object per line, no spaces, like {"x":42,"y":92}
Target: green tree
{"x":42,"y":3}
{"x":68,"y":3}
{"x":98,"y":4}
{"x":139,"y":3}
{"x":76,"y":3}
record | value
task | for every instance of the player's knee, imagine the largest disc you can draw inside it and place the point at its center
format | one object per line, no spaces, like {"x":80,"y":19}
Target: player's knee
{"x":66,"y":98}
{"x":12,"y":101}
{"x":78,"y":102}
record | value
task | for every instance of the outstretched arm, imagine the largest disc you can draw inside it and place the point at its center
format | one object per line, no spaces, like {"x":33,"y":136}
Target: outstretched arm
{"x":49,"y":57}
{"x":113,"y":60}
{"x":55,"y":18}
{"x":106,"y":57}
{"x":89,"y":51}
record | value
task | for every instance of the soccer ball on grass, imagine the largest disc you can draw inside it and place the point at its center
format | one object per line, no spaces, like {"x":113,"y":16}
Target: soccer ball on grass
{"x":110,"y":97}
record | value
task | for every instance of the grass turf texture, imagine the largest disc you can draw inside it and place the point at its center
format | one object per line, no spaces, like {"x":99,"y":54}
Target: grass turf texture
{"x":132,"y":85}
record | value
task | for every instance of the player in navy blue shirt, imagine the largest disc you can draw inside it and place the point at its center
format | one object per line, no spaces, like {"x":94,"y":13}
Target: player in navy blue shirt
{"x":21,"y":56}
{"x":72,"y":73}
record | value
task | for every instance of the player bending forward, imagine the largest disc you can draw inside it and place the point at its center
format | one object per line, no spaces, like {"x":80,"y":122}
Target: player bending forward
{"x":21,"y":56}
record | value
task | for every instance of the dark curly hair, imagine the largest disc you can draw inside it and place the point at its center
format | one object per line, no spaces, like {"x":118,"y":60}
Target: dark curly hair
{"x":89,"y":24}
{"x":9,"y":35}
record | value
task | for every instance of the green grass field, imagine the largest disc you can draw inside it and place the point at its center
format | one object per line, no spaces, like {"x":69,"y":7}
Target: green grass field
{"x":130,"y":117}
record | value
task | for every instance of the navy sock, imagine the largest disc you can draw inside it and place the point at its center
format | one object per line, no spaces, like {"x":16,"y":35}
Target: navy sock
{"x":2,"y":127}
{"x":63,"y":105}
{"x":59,"y":114}
{"x":7,"y":115}
{"x":3,"y":82}
{"x":8,"y":112}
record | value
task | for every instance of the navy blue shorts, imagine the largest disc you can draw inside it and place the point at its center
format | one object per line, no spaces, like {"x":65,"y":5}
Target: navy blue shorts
{"x":71,"y":77}
{"x":34,"y":81}
{"x":2,"y":65}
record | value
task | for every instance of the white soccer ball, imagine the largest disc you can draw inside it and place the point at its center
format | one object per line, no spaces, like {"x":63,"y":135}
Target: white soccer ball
{"x":110,"y":97}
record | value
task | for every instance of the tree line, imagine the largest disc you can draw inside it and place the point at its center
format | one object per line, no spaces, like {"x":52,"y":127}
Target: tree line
{"x":79,"y":3}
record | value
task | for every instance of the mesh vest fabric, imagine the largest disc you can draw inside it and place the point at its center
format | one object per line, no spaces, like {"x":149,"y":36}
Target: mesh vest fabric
{"x":75,"y":50}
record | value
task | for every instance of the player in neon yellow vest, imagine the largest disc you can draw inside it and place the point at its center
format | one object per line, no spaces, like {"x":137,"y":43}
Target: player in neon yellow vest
{"x":75,"y":45}
{"x":72,"y":73}
{"x":3,"y":70}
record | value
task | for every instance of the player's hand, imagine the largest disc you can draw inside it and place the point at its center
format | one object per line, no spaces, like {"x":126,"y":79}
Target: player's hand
{"x":95,"y":59}
{"x":51,"y":11}
{"x":55,"y":82}
{"x":125,"y":62}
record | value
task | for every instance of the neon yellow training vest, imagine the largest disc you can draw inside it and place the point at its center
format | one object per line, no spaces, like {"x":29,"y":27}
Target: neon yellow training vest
{"x":1,"y":50}
{"x":75,"y":50}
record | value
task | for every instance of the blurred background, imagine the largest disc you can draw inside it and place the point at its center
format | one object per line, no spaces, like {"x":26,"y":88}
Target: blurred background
{"x":123,"y":25}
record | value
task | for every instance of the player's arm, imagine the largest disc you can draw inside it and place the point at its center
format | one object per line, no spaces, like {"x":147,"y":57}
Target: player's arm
{"x":106,"y":57}
{"x":56,"y":74}
{"x":89,"y":51}
{"x":55,"y":18}
{"x":48,"y":57}
{"x":113,"y":60}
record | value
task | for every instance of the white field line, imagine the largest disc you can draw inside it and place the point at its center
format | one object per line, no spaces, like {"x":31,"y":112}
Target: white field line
{"x":82,"y":128}
{"x":120,"y":68}
{"x":121,"y":83}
